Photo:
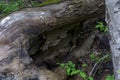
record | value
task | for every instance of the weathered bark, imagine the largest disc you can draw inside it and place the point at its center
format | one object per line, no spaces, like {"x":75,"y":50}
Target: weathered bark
{"x":112,"y":19}
{"x":19,"y":32}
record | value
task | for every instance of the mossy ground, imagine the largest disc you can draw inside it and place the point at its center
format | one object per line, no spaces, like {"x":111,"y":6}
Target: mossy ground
{"x":48,"y":2}
{"x":9,"y":7}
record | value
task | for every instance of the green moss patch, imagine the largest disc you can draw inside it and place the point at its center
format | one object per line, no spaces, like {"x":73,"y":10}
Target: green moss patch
{"x":47,"y":2}
{"x":10,"y":7}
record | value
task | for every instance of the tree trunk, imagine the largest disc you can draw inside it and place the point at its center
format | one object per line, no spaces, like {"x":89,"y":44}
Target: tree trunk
{"x":19,"y":32}
{"x":112,"y":19}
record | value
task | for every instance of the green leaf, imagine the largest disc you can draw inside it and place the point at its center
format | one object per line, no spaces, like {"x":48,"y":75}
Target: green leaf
{"x":84,"y":65}
{"x":90,"y":78}
{"x":92,"y":56}
{"x":83,"y":74}
{"x":75,"y":72}
{"x":110,"y":77}
{"x":68,"y":70}
{"x":62,"y":65}
{"x":106,"y":29}
{"x":97,"y":26}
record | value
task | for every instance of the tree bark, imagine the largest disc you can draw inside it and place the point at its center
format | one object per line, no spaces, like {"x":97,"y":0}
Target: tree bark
{"x":18,"y":28}
{"x":112,"y":19}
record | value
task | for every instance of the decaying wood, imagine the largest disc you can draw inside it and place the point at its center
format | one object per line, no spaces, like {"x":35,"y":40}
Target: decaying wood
{"x":19,"y":32}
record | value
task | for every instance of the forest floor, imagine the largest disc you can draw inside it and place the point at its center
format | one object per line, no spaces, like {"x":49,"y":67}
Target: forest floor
{"x":98,"y":62}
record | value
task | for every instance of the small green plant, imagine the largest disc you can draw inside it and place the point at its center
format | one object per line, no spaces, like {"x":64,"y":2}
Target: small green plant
{"x":93,"y":57}
{"x":101,"y":27}
{"x":110,"y":77}
{"x":71,"y":70}
{"x":84,"y":65}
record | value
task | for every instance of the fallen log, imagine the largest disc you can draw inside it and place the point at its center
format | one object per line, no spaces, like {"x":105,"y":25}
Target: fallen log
{"x":20,"y":31}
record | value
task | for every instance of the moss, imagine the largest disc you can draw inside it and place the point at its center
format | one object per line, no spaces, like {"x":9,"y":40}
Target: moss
{"x":47,"y":2}
{"x":10,"y":6}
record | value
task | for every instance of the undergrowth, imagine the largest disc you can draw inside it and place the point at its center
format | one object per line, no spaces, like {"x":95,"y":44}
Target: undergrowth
{"x":71,"y":69}
{"x":8,"y":7}
{"x":11,"y":6}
